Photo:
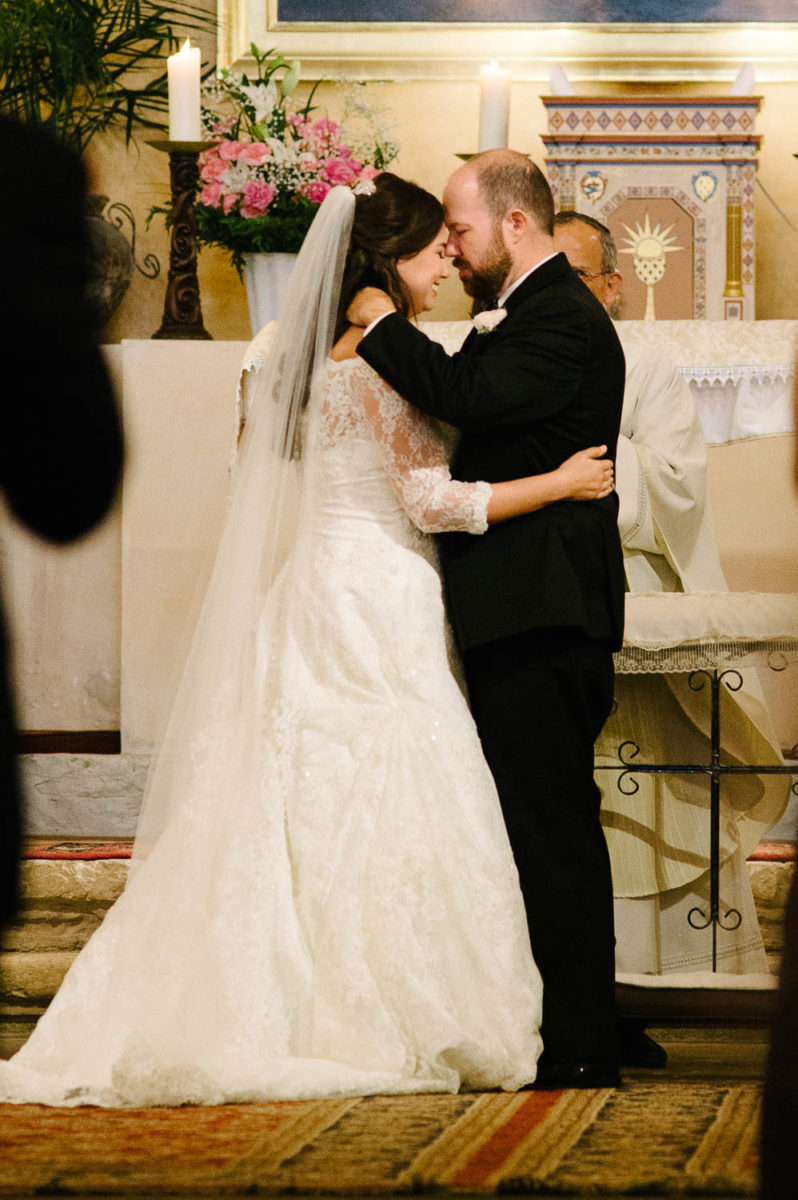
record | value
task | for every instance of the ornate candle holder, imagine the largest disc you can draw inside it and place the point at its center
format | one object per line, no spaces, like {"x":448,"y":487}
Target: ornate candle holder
{"x":182,"y":313}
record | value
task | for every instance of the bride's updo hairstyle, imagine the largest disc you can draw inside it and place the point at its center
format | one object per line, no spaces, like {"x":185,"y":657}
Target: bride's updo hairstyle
{"x":397,"y":220}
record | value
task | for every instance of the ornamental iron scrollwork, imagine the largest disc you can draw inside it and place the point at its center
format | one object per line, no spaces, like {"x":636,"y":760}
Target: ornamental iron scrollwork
{"x":628,"y":766}
{"x":116,"y":214}
{"x":718,"y":919}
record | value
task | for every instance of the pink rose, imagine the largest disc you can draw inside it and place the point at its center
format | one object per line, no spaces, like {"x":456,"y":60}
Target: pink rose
{"x":325,"y":128}
{"x":211,"y":194}
{"x":257,"y":198}
{"x":214,"y":169}
{"x":230,"y":150}
{"x":230,"y":202}
{"x":369,"y":172}
{"x":255,"y":153}
{"x":342,"y":170}
{"x":315,"y":191}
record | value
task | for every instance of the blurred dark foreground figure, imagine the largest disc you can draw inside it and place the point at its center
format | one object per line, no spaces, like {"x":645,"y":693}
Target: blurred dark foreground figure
{"x":61,"y":444}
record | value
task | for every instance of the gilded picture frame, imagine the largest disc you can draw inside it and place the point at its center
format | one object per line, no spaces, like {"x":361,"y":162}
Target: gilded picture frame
{"x":440,"y":49}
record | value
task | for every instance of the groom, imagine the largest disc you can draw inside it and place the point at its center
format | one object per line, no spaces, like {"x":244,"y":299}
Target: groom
{"x":537,"y":602}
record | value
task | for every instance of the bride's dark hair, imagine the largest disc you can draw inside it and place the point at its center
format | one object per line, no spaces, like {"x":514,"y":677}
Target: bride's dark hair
{"x":396,"y":221}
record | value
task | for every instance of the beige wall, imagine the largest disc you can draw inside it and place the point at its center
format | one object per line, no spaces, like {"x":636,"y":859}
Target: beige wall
{"x":434,"y":121}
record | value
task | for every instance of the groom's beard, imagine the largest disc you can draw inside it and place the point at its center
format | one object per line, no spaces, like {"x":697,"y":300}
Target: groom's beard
{"x":487,"y":277}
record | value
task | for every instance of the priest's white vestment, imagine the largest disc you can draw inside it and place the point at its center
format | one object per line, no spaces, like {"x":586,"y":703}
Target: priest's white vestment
{"x":659,"y":837}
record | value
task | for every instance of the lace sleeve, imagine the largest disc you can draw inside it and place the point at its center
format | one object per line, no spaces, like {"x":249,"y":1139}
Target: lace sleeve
{"x":414,"y":457}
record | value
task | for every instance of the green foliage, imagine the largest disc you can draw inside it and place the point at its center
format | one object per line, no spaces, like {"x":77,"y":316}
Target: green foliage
{"x":78,"y":66}
{"x":240,"y":235}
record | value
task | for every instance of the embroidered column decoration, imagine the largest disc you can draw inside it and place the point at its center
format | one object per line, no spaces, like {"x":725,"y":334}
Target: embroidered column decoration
{"x":734,"y":251}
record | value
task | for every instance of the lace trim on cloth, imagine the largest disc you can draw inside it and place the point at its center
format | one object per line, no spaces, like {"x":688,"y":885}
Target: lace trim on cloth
{"x":677,"y":632}
{"x":719,"y":374}
{"x":638,"y":660}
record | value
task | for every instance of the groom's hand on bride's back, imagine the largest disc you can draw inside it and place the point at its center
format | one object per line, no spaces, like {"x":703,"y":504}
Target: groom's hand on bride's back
{"x":369,"y":304}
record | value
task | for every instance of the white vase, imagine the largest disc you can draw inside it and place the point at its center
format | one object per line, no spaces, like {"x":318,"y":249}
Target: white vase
{"x":266,"y":277}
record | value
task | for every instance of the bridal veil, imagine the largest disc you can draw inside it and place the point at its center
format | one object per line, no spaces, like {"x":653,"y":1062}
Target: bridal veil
{"x":209,"y":727}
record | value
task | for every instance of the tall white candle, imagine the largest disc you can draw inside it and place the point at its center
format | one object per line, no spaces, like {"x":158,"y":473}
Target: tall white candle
{"x":494,"y":106}
{"x":184,"y":94}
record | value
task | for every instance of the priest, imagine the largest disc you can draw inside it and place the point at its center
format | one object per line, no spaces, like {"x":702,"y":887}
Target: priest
{"x":659,"y":837}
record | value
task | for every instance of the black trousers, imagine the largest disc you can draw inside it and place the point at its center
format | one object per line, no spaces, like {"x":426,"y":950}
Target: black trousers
{"x":539,"y":700}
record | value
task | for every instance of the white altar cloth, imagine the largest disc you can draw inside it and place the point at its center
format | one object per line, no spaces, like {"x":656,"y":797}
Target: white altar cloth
{"x":741,"y":373}
{"x":677,"y":631}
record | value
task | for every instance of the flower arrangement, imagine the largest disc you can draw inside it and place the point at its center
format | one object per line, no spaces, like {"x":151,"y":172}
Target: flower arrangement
{"x":271,"y":164}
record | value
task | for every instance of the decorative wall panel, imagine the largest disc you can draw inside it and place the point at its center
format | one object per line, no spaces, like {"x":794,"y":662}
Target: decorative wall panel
{"x":674,"y":181}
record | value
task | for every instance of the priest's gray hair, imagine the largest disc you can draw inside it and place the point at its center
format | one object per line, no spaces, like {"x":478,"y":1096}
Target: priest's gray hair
{"x":609,"y":251}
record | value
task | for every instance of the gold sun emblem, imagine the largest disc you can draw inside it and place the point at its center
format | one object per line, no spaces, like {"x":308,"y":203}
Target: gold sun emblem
{"x":649,"y":247}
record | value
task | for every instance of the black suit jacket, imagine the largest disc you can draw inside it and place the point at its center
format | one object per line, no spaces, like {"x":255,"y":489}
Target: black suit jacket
{"x":61,"y":445}
{"x":546,"y":382}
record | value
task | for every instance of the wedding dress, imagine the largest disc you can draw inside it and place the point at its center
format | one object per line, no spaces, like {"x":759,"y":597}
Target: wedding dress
{"x":351,"y":923}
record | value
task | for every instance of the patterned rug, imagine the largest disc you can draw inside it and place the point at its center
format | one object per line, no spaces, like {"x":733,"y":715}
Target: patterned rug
{"x":660,"y":1139}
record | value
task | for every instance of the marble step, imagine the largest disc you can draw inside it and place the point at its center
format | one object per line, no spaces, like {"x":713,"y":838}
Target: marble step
{"x":64,"y":901}
{"x":82,"y":795}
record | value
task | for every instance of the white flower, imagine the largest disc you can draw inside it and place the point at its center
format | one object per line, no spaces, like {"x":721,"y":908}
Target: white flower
{"x":262,"y":97}
{"x":282,"y":152}
{"x":484,"y":322}
{"x":236,"y":177}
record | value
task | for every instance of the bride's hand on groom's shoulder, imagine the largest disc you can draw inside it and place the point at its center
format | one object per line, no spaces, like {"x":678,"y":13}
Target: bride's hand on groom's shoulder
{"x":368,"y":304}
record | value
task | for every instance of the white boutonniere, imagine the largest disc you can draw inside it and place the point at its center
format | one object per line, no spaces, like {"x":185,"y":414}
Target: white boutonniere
{"x":486,"y":322}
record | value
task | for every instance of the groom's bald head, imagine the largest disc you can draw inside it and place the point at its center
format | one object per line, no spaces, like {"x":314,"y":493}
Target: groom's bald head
{"x":506,"y":180}
{"x":499,"y":211}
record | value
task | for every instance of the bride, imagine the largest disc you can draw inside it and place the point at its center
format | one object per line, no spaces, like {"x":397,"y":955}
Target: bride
{"x":322,"y":899}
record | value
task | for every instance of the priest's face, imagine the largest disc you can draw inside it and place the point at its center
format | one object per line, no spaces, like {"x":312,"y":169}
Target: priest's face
{"x":581,"y":245}
{"x":476,"y":239}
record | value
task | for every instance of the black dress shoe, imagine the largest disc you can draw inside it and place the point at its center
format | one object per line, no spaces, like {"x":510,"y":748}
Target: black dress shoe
{"x":573,"y":1073}
{"x":637,"y":1049}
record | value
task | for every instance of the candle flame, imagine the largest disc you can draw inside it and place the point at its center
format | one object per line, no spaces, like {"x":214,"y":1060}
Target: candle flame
{"x":184,"y":49}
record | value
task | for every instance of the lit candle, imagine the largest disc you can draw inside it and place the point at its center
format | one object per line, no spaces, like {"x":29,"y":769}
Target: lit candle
{"x":494,"y":106}
{"x":184,"y":94}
